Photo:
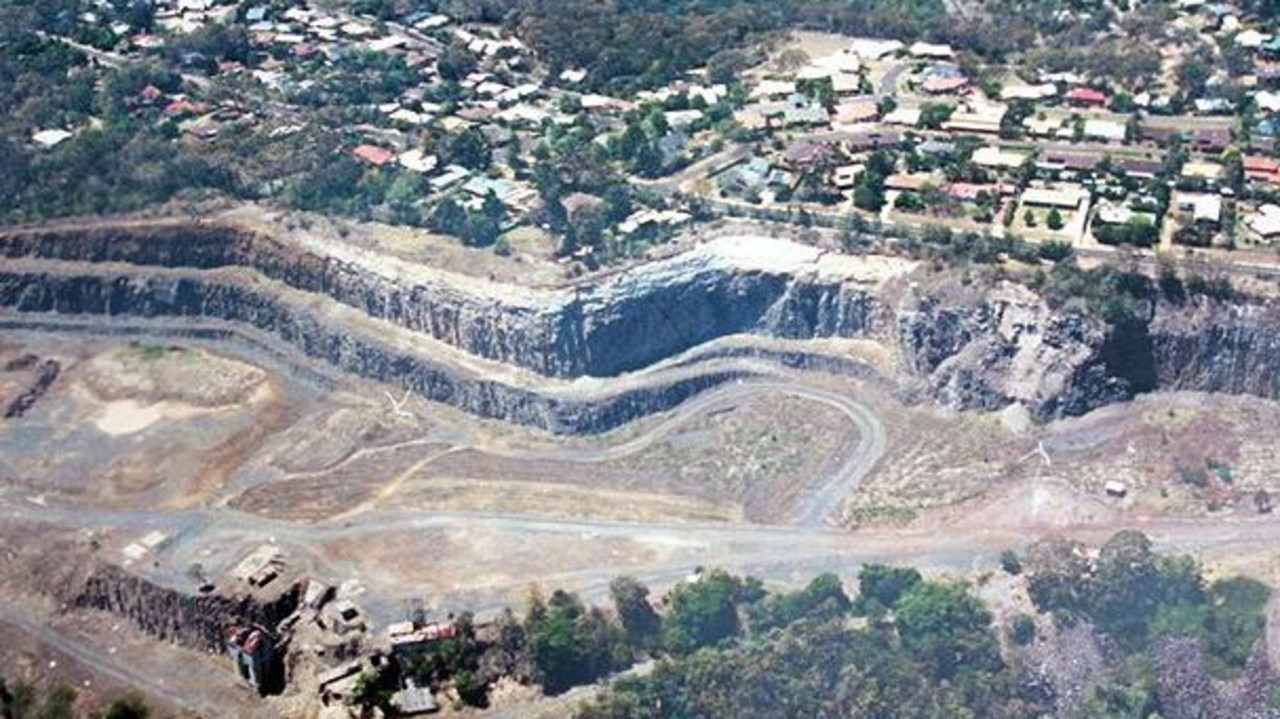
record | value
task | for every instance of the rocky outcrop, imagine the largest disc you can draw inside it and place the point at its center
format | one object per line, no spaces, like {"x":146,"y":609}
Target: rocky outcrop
{"x":192,"y":621}
{"x":599,"y":328}
{"x":965,"y":348}
{"x":1009,"y":346}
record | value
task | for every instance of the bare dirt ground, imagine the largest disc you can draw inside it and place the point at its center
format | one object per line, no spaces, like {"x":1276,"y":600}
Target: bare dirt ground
{"x":215,"y":451}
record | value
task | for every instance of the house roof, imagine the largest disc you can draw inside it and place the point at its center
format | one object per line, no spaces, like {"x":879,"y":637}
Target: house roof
{"x":373,"y":155}
{"x":1266,"y":222}
{"x":1086,"y":94}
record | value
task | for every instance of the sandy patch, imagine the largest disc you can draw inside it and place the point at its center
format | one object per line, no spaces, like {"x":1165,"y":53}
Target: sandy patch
{"x":128,"y":416}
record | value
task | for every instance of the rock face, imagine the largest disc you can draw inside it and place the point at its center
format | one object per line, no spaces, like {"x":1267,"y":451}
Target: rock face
{"x":963,"y":349}
{"x":601,"y":329}
{"x":1007,"y":347}
{"x":192,"y":621}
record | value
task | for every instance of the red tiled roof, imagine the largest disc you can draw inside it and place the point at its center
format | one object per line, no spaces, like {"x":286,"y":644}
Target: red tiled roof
{"x":1086,"y":94}
{"x":1256,"y":163}
{"x":373,"y":155}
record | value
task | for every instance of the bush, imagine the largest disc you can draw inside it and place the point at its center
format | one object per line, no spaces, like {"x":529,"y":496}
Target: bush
{"x":1010,"y":562}
{"x":1022,"y":630}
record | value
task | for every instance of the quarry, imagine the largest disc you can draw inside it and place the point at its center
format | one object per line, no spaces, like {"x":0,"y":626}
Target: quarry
{"x":280,"y":453}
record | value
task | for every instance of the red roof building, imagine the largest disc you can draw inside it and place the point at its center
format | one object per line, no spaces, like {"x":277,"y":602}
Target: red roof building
{"x":1266,"y":169}
{"x":1086,"y":96}
{"x":373,"y":155}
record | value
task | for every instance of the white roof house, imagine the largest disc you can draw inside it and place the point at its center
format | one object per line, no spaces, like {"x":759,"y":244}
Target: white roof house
{"x":49,"y":138}
{"x":997,"y":157}
{"x":1108,"y":130}
{"x":1265,"y":222}
{"x":1029,"y":92}
{"x":931,"y":50}
{"x":871,"y":48}
{"x":1064,"y":196}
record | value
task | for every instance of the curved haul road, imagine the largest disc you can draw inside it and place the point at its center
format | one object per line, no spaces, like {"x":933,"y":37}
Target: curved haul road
{"x":772,"y":552}
{"x":818,"y":504}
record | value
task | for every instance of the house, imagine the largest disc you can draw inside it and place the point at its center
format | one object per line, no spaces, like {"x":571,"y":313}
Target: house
{"x":1271,"y":48}
{"x":982,"y":119}
{"x":1110,"y":214}
{"x":1157,"y":134}
{"x":904,"y":116}
{"x":1086,"y":97}
{"x":1064,"y":197}
{"x":1139,"y":167}
{"x":942,"y":85}
{"x":1250,"y":39}
{"x":1265,"y":223}
{"x":1261,"y":169}
{"x":856,"y":143}
{"x":1055,"y":160}
{"x":1214,"y":106}
{"x":1043,"y":91}
{"x":846,"y":176}
{"x":997,"y":157}
{"x":931,"y":51}
{"x":1267,"y":101}
{"x":870,"y":48}
{"x":1210,"y":172}
{"x":972,"y":192}
{"x":808,"y":156}
{"x":652,"y":218}
{"x":943,"y":77}
{"x":1042,"y":127}
{"x":682,"y":119}
{"x":770,"y":89}
{"x":50,"y":138}
{"x":1115,"y":488}
{"x":1201,"y":208}
{"x":1105,"y":130}
{"x":856,"y":110}
{"x":373,"y":155}
{"x":418,"y":161}
{"x":1210,"y":139}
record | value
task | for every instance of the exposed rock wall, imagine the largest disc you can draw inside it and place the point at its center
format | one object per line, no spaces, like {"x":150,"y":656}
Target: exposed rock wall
{"x":344,"y":347}
{"x":967,"y":349}
{"x":191,"y":621}
{"x":604,"y":328}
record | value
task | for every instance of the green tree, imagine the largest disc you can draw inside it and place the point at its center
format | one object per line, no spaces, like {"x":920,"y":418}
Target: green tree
{"x":946,"y":629}
{"x":1054,"y":220}
{"x":880,"y":585}
{"x":704,"y":612}
{"x":129,"y":706}
{"x":639,"y":620}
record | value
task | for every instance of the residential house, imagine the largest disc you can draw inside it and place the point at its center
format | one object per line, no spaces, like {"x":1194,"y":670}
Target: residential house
{"x":1199,"y":208}
{"x":977,"y":118}
{"x":1261,"y":169}
{"x":856,"y":110}
{"x":999,"y":158}
{"x":373,"y":155}
{"x":1138,"y":167}
{"x":1086,"y":97}
{"x":1265,"y":223}
{"x":1105,"y":130}
{"x":1210,"y":139}
{"x":1064,"y":196}
{"x":1264,"y":136}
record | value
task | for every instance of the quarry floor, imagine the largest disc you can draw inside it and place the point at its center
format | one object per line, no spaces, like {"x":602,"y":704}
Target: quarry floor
{"x":178,"y":457}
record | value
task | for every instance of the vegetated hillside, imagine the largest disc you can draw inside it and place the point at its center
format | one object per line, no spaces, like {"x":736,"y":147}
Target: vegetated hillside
{"x":1129,"y":634}
{"x":1126,"y":634}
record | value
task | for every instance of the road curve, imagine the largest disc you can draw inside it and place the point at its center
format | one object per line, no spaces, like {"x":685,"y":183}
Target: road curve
{"x":817,"y":505}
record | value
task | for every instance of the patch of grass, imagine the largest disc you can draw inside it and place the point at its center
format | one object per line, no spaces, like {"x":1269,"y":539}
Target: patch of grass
{"x":151,"y":351}
{"x":875,"y":515}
